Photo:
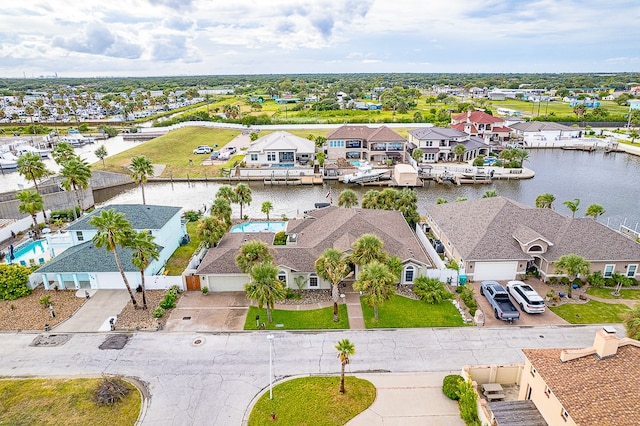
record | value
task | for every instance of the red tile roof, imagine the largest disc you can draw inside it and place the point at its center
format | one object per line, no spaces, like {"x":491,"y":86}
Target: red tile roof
{"x":477,"y":117}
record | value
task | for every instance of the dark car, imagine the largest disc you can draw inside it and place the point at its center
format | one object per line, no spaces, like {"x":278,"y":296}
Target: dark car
{"x":215,"y":155}
{"x":437,"y":244}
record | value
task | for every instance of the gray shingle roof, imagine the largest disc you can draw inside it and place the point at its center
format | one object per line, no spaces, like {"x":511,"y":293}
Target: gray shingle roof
{"x":141,"y":216}
{"x":332,"y":226}
{"x":538,"y":126}
{"x":282,"y":141}
{"x":436,"y":133}
{"x":484,"y":230}
{"x":371,"y":134}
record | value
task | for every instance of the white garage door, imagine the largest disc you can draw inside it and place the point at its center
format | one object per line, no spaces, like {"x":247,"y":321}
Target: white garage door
{"x":495,"y":271}
{"x":227,"y":282}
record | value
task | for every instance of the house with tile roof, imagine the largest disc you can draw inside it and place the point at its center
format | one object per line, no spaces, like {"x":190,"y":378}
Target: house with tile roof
{"x":479,"y":123}
{"x":328,"y":227}
{"x":438,"y":143}
{"x":77,"y":263}
{"x":375,"y":144}
{"x":585,"y":387}
{"x":499,"y":239}
{"x":280,"y":149}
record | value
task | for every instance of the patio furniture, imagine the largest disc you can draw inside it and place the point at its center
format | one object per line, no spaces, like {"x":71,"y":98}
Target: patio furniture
{"x":492,"y":391}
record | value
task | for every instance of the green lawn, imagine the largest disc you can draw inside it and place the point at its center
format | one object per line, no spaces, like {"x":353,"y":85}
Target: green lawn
{"x":62,"y":401}
{"x":592,"y":312}
{"x":321,"y":319}
{"x":605,"y":293}
{"x":402,"y":312}
{"x":175,"y":149}
{"x":180,"y":258}
{"x":313,"y":401}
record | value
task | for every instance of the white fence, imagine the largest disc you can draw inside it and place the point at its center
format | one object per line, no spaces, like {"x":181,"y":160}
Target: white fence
{"x":163,"y":282}
{"x":280,"y":172}
{"x":439,"y":270}
{"x":20,"y":225}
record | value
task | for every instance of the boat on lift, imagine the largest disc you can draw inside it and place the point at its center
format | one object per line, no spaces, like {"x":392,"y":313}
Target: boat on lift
{"x":365,"y":173}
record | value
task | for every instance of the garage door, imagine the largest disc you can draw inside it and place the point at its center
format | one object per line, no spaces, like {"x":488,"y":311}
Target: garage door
{"x":227,"y":282}
{"x":495,"y":271}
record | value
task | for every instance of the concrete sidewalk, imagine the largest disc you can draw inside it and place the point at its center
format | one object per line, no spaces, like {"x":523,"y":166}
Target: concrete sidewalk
{"x":94,"y":315}
{"x":409,"y":399}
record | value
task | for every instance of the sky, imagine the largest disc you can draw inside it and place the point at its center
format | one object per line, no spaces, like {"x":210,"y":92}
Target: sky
{"x":100,"y":38}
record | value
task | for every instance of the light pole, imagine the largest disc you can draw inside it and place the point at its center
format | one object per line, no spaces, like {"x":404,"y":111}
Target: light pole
{"x":270,"y":338}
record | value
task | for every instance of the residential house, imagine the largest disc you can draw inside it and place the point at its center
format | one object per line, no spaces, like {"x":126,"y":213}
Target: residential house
{"x":280,"y":149}
{"x":543,"y":133}
{"x":479,"y":123}
{"x":438,"y":143}
{"x":500,"y":239}
{"x":328,"y":227}
{"x":375,"y":144}
{"x":585,"y":387}
{"x":77,"y":263}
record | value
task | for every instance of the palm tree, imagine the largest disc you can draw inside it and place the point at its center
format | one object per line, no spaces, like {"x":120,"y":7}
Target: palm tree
{"x":418,"y":155}
{"x":102,"y":153}
{"x":211,"y":229}
{"x":453,"y":265}
{"x":370,"y":199}
{"x":265,"y":288}
{"x":32,"y":167}
{"x":226,"y":192}
{"x":348,"y":198}
{"x":266,"y":208}
{"x":461,"y":199}
{"x":366,"y":248}
{"x":252,"y":252}
{"x":243,"y":196}
{"x":141,"y":167}
{"x":573,"y":206}
{"x":632,"y":322}
{"x":77,"y":174}
{"x":113,"y":230}
{"x":221,"y":209}
{"x":333,"y":267}
{"x":441,"y":201}
{"x":144,"y":252}
{"x":595,"y":210}
{"x":459,"y":150}
{"x":377,"y":281}
{"x":30,"y":203}
{"x":571,"y":265}
{"x":346,"y":350}
{"x":62,"y":153}
{"x":545,"y":201}
{"x":490,"y":193}
{"x":521,"y":155}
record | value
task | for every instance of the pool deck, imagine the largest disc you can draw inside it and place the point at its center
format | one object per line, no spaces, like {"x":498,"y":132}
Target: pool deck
{"x":252,"y":227}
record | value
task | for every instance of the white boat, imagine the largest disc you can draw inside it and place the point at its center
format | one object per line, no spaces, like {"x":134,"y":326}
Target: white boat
{"x":77,"y":140}
{"x":8,"y":161}
{"x":23,"y":149}
{"x":365,"y":173}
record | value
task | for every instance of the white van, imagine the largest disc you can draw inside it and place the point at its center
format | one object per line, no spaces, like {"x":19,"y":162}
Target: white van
{"x":526,"y":297}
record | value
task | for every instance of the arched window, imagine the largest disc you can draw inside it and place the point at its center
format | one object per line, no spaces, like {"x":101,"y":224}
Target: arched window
{"x":282,"y":276}
{"x":535,"y":248}
{"x":313,"y":280}
{"x":408,"y":274}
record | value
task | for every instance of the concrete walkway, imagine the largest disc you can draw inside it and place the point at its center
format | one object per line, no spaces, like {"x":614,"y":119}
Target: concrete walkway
{"x":409,"y":399}
{"x":95,"y":314}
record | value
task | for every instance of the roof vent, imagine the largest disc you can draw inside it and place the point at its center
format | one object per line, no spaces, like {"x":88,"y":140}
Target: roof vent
{"x":606,"y":342}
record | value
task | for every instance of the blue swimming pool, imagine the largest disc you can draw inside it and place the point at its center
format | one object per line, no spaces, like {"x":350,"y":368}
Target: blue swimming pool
{"x":356,"y":163}
{"x":28,"y":251}
{"x":282,"y":165}
{"x":252,"y":227}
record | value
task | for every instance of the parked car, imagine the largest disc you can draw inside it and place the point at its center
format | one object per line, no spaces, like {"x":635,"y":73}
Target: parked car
{"x":224,"y":155}
{"x":499,"y":300}
{"x":215,"y":155}
{"x":231,"y":149}
{"x":202,"y":149}
{"x":526,"y":297}
{"x":437,"y":244}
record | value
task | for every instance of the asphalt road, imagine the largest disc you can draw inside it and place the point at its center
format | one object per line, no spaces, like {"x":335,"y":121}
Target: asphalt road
{"x":215,"y":381}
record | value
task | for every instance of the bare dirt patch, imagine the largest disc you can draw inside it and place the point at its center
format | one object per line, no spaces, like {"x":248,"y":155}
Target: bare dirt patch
{"x":27,"y":313}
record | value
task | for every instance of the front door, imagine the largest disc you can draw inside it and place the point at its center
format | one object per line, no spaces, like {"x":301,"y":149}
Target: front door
{"x":193,"y":282}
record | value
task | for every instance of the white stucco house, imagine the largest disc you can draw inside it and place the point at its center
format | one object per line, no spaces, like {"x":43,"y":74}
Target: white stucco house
{"x":544,"y":134}
{"x":77,"y":263}
{"x":280,"y":149}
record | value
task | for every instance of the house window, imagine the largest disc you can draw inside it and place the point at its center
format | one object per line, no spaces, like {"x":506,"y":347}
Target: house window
{"x":271,"y":156}
{"x":608,"y":271}
{"x":430,"y":157}
{"x":313,"y":280}
{"x":547,"y":391}
{"x":408,"y":274}
{"x":533,"y":371}
{"x":631,"y":271}
{"x":564,"y":414}
{"x":79,"y":236}
{"x":254,"y":157}
{"x":282,"y":276}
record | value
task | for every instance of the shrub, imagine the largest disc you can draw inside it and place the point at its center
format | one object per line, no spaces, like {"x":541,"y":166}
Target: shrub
{"x":292,"y":295}
{"x":205,"y":290}
{"x":468,"y":297}
{"x":280,"y":239}
{"x":110,"y":391}
{"x":578,"y":282}
{"x":45,"y":301}
{"x":468,"y":403}
{"x":169,"y":301}
{"x":192,"y":215}
{"x":609,"y":282}
{"x":595,"y":279}
{"x":14,"y":281}
{"x":158,"y":313}
{"x":451,"y":386}
{"x":431,"y":290}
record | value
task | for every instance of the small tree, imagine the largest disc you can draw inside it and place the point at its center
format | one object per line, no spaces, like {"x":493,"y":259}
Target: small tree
{"x":141,"y":168}
{"x":545,"y":201}
{"x":377,"y":281}
{"x":573,"y":206}
{"x":595,"y":210}
{"x":265,"y":288}
{"x":346,"y":350}
{"x":632,"y":322}
{"x":30,"y":203}
{"x":266,"y":208}
{"x":431,"y":290}
{"x":333,"y":267}
{"x":418,"y":155}
{"x":102,"y":153}
{"x":252,"y":252}
{"x":348,"y":198}
{"x":211,"y":229}
{"x":572,"y":265}
{"x":459,"y":150}
{"x":490,"y":194}
{"x":243,"y":196}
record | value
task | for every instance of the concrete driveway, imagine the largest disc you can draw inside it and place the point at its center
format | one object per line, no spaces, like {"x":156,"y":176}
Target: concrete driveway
{"x":223,"y":311}
{"x":546,"y":318}
{"x":95,"y":314}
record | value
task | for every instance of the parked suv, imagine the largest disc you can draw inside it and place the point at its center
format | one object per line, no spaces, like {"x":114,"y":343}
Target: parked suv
{"x":202,"y":149}
{"x":526,"y":297}
{"x":231,"y":149}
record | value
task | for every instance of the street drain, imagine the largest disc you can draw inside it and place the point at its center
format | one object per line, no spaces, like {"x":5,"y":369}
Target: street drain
{"x":186,"y":318}
{"x":198,"y":341}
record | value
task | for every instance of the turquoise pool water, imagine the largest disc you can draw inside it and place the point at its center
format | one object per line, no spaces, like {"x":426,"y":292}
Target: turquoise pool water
{"x":356,"y":163}
{"x":26,"y":251}
{"x":252,"y":227}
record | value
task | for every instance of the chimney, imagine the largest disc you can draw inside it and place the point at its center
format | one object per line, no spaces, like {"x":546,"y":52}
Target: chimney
{"x":606,"y":342}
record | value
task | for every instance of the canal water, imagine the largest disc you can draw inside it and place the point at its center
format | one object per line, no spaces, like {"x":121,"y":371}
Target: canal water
{"x":612,"y":180}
